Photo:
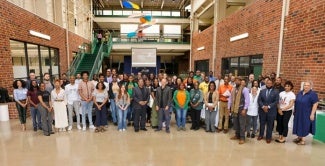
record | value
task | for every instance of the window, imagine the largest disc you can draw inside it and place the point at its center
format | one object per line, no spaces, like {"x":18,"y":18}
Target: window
{"x":27,"y":57}
{"x":33,"y":59}
{"x":244,"y":61}
{"x":18,"y":59}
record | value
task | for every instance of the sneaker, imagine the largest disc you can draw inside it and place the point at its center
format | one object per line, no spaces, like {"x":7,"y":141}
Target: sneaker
{"x":120,"y":130}
{"x":63,"y":129}
{"x":123,"y":130}
{"x":79,"y":127}
{"x":92,"y":127}
{"x":69,"y":128}
{"x":184,"y":128}
{"x":167,"y":131}
{"x":84,"y":128}
{"x":178,"y":129}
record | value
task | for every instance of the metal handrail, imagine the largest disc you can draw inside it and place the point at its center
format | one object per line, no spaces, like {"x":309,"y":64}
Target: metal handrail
{"x":76,"y":61}
{"x":104,"y":49}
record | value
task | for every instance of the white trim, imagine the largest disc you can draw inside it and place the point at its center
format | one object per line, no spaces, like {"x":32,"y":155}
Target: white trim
{"x":40,"y":35}
{"x":238,"y":37}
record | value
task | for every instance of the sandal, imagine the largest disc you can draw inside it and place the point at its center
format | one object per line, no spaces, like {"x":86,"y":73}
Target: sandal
{"x":97,"y":130}
{"x":102,"y":129}
{"x":297,"y":140}
{"x":301,"y":142}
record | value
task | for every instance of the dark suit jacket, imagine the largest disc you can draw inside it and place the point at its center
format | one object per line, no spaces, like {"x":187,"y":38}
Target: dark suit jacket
{"x":272,"y":101}
{"x":138,"y":96}
{"x":164,"y":96}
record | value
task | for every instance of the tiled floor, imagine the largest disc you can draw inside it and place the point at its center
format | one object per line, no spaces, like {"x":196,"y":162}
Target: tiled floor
{"x":183,"y":148}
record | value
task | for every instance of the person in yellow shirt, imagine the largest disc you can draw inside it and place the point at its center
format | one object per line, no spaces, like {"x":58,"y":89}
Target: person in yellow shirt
{"x":204,"y":86}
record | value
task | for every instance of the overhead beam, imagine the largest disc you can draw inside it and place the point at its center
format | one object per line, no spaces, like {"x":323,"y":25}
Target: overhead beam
{"x":205,"y":9}
{"x":162,"y":4}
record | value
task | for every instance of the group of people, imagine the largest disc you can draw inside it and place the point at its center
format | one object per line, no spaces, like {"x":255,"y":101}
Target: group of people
{"x":142,"y":99}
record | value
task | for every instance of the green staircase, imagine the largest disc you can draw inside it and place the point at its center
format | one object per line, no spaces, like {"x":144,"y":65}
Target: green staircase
{"x":88,"y":60}
{"x":91,"y":62}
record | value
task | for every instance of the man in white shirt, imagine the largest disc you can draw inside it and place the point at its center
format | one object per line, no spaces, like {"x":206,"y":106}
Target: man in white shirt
{"x":72,"y":95}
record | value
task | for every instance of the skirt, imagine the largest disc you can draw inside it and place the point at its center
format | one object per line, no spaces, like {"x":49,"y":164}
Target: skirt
{"x":60,"y":114}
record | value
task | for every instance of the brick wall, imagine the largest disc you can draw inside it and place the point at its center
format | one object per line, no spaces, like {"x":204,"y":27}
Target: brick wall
{"x":15,"y":24}
{"x":304,"y":44}
{"x":202,"y":39}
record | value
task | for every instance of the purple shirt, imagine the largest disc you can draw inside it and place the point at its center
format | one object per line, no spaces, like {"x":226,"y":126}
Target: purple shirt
{"x":246,"y":96}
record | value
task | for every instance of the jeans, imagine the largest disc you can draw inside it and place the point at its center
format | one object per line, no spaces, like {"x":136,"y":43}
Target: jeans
{"x":36,"y":117}
{"x":76,"y":107}
{"x":129,"y":115}
{"x":121,"y":118}
{"x":210,"y":120}
{"x":251,"y":121}
{"x":87,"y":109}
{"x":101,"y":115}
{"x":163,"y":114}
{"x":181,"y":117}
{"x":113,"y":110}
{"x":282,"y":122}
{"x":21,"y":113}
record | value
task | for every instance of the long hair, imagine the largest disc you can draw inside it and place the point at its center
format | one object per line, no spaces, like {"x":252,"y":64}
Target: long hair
{"x":31,"y":87}
{"x":119,"y":96}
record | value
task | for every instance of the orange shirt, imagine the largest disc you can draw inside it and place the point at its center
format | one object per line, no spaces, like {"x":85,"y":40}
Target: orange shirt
{"x":222,"y":89}
{"x":181,"y":97}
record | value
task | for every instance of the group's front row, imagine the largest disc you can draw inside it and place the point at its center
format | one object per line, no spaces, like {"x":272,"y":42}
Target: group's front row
{"x":243,"y":106}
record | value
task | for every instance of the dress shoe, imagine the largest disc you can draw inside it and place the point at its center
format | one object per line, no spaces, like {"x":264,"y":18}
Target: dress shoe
{"x":52,"y":132}
{"x":154,"y":127}
{"x":47,"y":134}
{"x":248,"y":135}
{"x":192,"y":128}
{"x":268,"y":141}
{"x":219,"y":130}
{"x":136,"y":130}
{"x":234,"y":138}
{"x":35,"y":128}
{"x":144,"y":129}
{"x":241,"y":142}
{"x":259,"y":138}
{"x":253,"y":136}
{"x":158,"y":130}
{"x":225,"y":131}
{"x":167,"y":131}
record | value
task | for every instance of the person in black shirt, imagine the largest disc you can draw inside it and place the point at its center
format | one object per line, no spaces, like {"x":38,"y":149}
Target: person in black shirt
{"x":46,"y":109}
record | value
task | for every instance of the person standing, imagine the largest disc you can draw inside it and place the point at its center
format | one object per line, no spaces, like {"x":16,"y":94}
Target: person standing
{"x":108,"y":77}
{"x":59,"y":101}
{"x":211,"y":99}
{"x":112,"y":92}
{"x":238,"y":103}
{"x":140,"y":100}
{"x":73,"y":101}
{"x":47,"y":82}
{"x":31,"y":78}
{"x":64,"y":80}
{"x":130,"y":85}
{"x":268,"y":100}
{"x":46,"y":109}
{"x":250,"y":82}
{"x":224,"y":93}
{"x":100,"y":98}
{"x":181,"y":99}
{"x":163,"y":100}
{"x":154,"y":111}
{"x":211,"y":77}
{"x":85,"y":90}
{"x":196,"y":103}
{"x":33,"y":102}
{"x":286,"y":102}
{"x":252,"y":112}
{"x":304,"y":121}
{"x":122,"y":100}
{"x":20,"y":96}
{"x":204,"y":86}
{"x":99,"y":37}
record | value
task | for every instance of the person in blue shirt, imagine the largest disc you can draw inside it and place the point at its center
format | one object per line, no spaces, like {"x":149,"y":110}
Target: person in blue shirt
{"x":20,"y":96}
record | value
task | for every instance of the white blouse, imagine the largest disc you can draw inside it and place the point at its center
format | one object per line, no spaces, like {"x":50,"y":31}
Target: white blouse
{"x":58,"y":97}
{"x":253,"y":105}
